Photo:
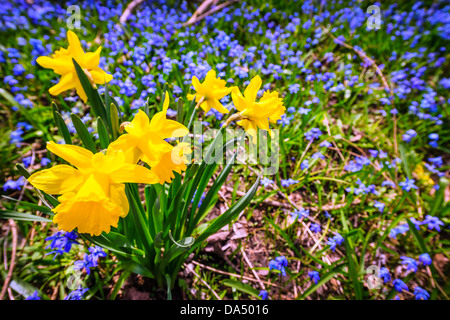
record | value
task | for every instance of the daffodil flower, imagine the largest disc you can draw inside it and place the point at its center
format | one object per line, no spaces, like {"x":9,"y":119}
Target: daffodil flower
{"x":174,"y":160}
{"x":92,"y":194}
{"x":62,"y":64}
{"x":252,"y":114}
{"x":144,"y":139}
{"x":210,"y":92}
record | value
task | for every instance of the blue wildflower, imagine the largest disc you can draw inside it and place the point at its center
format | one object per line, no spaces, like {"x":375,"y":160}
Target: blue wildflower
{"x":410,"y":263}
{"x":279,"y":263}
{"x":34,"y":296}
{"x":266,"y":182}
{"x":263,"y":294}
{"x":14,"y":184}
{"x":421,"y":294}
{"x":379,"y":205}
{"x":312,"y":134}
{"x":314,"y":276}
{"x":408,"y":135}
{"x":315,"y":227}
{"x":433,"y":223}
{"x":399,"y":285}
{"x":76,"y":294}
{"x":384,"y":274}
{"x":425,"y":259}
{"x":61,"y":243}
{"x":408,"y":184}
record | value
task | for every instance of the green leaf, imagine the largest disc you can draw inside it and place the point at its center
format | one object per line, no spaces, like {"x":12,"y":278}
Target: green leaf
{"x":4,"y":214}
{"x":323,"y":280}
{"x":62,"y":127}
{"x":243,"y":287}
{"x":227,"y":216}
{"x":83,"y":133}
{"x":357,"y":286}
{"x":92,"y":94}
{"x":180,"y":110}
{"x":114,"y":114}
{"x":102,"y":133}
{"x":23,"y":171}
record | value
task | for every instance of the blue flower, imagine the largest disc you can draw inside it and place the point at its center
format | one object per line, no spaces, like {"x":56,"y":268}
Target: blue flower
{"x":314,"y":276}
{"x":86,"y":263}
{"x":325,"y":143}
{"x":312,"y":134}
{"x":95,"y":253}
{"x":14,"y":184}
{"x":379,"y":205}
{"x":76,"y":294}
{"x":45,"y":161}
{"x":410,"y":263}
{"x":335,"y":241}
{"x":421,"y":294}
{"x":300,"y":213}
{"x":27,"y":161}
{"x":425,"y":259}
{"x":388,"y":183}
{"x":408,"y":135}
{"x":399,"y":285}
{"x":401,"y":229}
{"x":294,"y":88}
{"x":34,"y":296}
{"x":433,"y":223}
{"x":408,"y":184}
{"x":304,"y":165}
{"x":315,"y":227}
{"x":266,"y":182}
{"x":279,"y":263}
{"x":61,"y":243}
{"x":287,"y":182}
{"x":263,"y":294}
{"x":384,"y":273}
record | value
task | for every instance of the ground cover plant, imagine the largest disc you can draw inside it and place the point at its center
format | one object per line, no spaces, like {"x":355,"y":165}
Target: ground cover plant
{"x":273,"y":150}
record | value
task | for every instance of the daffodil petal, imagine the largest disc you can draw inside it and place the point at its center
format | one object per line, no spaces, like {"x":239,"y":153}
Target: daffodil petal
{"x":56,"y":180}
{"x":214,"y":103}
{"x":66,"y":82}
{"x":132,"y":173}
{"x":75,"y":46}
{"x":77,"y":156}
{"x":252,"y":89}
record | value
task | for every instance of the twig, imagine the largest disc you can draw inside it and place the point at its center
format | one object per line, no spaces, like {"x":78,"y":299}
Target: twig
{"x":133,"y":4}
{"x":203,"y":281}
{"x":235,"y":275}
{"x":12,"y":264}
{"x":193,"y":20}
{"x":251,"y":268}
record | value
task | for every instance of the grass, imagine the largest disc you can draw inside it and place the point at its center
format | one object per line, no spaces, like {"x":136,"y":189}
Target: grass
{"x":351,"y":120}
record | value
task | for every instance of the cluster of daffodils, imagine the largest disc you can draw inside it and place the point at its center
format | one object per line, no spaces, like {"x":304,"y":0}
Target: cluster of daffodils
{"x":251,"y":114}
{"x":92,"y":195}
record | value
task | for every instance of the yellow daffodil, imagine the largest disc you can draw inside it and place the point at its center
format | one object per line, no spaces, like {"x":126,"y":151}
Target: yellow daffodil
{"x":174,"y":160}
{"x":92,"y":194}
{"x":252,"y":114}
{"x":423,"y":176}
{"x":62,"y":64}
{"x":210,"y":92}
{"x":144,"y":139}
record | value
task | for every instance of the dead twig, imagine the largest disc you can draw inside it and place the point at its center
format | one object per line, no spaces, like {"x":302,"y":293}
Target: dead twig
{"x":196,"y":17}
{"x":12,"y":263}
{"x":129,"y":9}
